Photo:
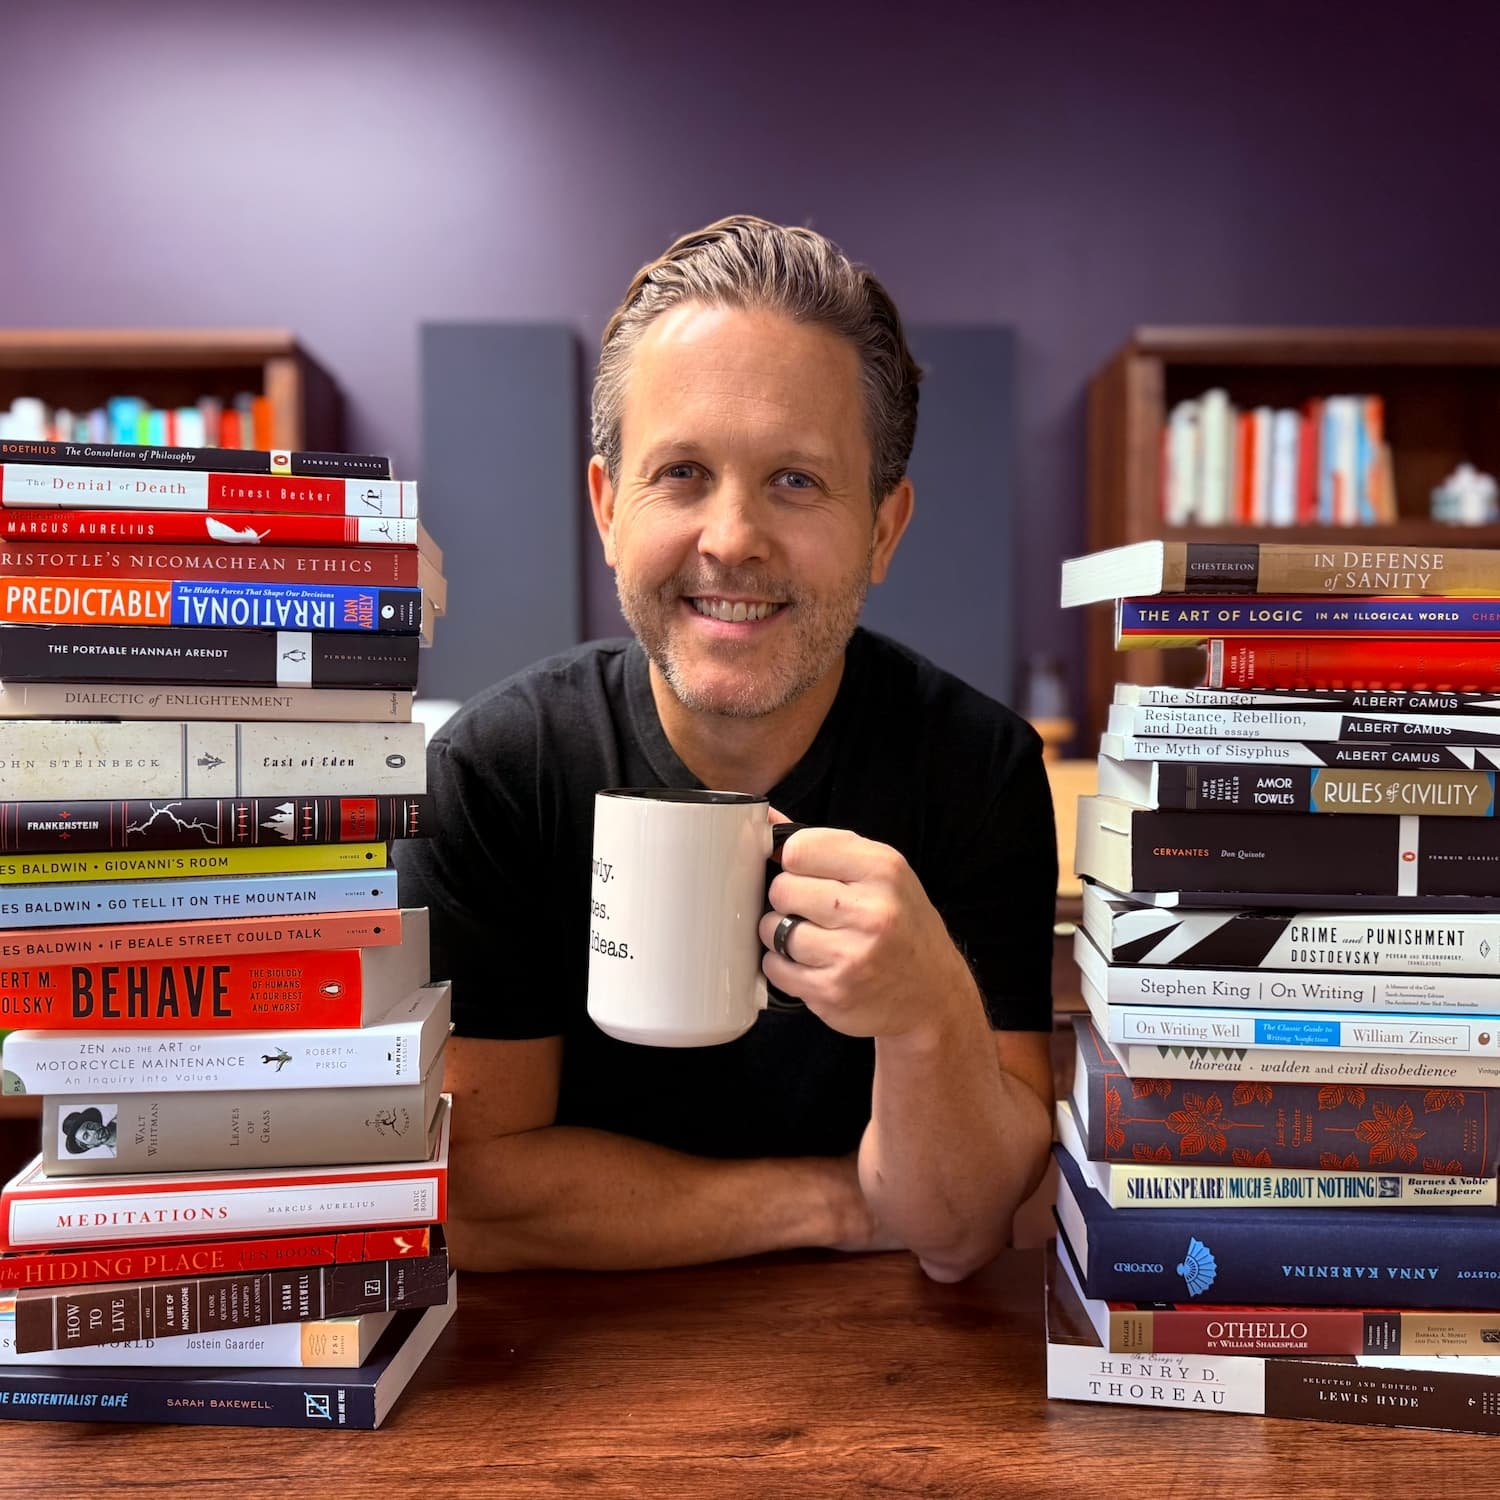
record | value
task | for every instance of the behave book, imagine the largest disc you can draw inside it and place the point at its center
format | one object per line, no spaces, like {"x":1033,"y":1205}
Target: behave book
{"x":264,"y":1397}
{"x":1284,"y":1124}
{"x":1163,"y":1184}
{"x":124,"y":1311}
{"x":155,"y":864}
{"x":1158,"y":567}
{"x":61,"y":700}
{"x":177,"y":462}
{"x":207,"y":758}
{"x":215,"y":896}
{"x":150,"y":1260}
{"x":209,"y":823}
{"x":312,"y":989}
{"x":1167,"y":622}
{"x":37,"y":1211}
{"x":212,"y":604}
{"x":1384,"y":1390}
{"x":140,"y":654}
{"x":188,"y":1131}
{"x":1423,"y":664}
{"x":201,"y":939}
{"x":400,"y":1048}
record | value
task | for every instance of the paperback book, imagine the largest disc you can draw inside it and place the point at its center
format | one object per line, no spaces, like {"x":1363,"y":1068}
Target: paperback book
{"x":159,"y":864}
{"x":234,"y":528}
{"x":62,"y":700}
{"x":176,"y":462}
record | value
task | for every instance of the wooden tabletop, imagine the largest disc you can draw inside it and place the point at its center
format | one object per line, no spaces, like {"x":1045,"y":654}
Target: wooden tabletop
{"x":789,"y":1375}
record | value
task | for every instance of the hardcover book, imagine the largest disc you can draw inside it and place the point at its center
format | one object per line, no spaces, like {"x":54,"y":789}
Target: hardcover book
{"x":201,"y":758}
{"x":209,"y":823}
{"x":212,"y":896}
{"x":39,"y":1212}
{"x":316,"y":988}
{"x":266,"y":1397}
{"x":175,"y":462}
{"x":137,"y":654}
{"x":61,"y":700}
{"x":1421,"y":663}
{"x":188,"y":1131}
{"x":1341,"y":1127}
{"x":1386,"y":1390}
{"x":1167,"y":622}
{"x":398,"y":1049}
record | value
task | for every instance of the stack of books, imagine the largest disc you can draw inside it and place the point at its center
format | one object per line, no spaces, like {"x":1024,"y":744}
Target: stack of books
{"x":1278,"y":1165}
{"x":207,"y":665}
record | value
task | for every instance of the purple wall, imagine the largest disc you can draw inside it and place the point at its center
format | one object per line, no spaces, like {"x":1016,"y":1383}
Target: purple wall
{"x":1069,"y":168}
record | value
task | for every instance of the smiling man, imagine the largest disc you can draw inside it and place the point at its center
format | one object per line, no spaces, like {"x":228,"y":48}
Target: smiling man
{"x":754,"y":411}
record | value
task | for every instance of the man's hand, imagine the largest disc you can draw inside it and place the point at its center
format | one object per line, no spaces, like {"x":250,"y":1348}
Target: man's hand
{"x":871,"y":956}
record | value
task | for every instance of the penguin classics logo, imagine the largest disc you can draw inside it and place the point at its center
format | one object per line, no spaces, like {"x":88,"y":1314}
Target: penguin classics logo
{"x":1198,"y":1268}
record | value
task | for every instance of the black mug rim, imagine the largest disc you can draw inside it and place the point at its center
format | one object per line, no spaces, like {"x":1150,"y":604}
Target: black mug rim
{"x":697,"y":796}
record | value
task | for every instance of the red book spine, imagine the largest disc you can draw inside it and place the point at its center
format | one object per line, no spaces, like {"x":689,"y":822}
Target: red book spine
{"x":1307,"y":463}
{"x":386,"y":567}
{"x":1248,"y":1330}
{"x":267,"y":527}
{"x":209,"y":1257}
{"x":1425,"y":665}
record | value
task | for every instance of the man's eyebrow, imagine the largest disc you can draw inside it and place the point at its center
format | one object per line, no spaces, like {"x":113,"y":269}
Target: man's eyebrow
{"x":681,"y":448}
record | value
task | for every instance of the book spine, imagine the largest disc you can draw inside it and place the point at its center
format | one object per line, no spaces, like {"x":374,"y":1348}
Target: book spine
{"x":261,"y":529}
{"x":123,"y":1312}
{"x":1319,"y":789}
{"x":1421,"y":1258}
{"x":204,"y":758}
{"x":397,"y":1050}
{"x":1303,"y":724}
{"x":378,"y":567}
{"x":253,"y":658}
{"x":209,"y":822}
{"x":214,"y":896}
{"x":1431,"y":664}
{"x":153,"y":864}
{"x":339,"y":929}
{"x":1301,"y":753}
{"x":210,"y":604}
{"x":1081,"y":1372}
{"x":261,"y":1128}
{"x":58,"y":700}
{"x":1342,"y":700}
{"x":1289,"y":568}
{"x":1142,"y":1185}
{"x":150,"y":1262}
{"x":1283,"y":1331}
{"x":1317,"y":1031}
{"x":1163,"y":622}
{"x":174,"y":461}
{"x":1253,"y":1065}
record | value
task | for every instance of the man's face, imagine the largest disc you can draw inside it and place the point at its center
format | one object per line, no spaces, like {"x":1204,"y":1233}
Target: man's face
{"x":742,"y":532}
{"x":90,"y":1135}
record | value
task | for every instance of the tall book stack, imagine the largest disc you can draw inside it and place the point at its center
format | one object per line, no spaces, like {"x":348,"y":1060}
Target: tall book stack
{"x":1278,"y":1164}
{"x":207,"y":664}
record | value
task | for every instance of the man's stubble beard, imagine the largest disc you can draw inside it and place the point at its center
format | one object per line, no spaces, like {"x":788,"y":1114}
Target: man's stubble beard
{"x":820,"y":631}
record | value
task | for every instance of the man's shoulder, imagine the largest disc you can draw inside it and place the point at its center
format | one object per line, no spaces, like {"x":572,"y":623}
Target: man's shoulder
{"x":559,"y":694}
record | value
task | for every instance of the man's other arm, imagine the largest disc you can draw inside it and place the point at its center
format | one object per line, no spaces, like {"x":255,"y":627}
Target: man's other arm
{"x":527,"y":1193}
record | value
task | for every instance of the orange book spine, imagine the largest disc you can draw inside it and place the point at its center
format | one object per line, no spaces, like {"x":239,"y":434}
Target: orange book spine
{"x":209,"y":937}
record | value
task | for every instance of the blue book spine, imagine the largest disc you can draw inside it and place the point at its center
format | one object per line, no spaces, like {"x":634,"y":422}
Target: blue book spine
{"x":296,"y":606}
{"x":1198,"y":618}
{"x":1362,"y":1257}
{"x":109,"y":901}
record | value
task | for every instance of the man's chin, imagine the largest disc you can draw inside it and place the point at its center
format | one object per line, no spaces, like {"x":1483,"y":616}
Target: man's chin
{"x":707,"y":694}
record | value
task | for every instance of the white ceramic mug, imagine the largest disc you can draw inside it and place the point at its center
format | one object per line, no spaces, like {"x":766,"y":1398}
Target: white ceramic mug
{"x":678,"y":891}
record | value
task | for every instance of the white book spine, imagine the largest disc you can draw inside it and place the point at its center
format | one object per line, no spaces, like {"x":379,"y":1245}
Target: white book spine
{"x":1285,"y":752}
{"x":66,"y":700}
{"x":1198,"y":1382}
{"x":1286,"y":438}
{"x":1216,"y":421}
{"x":1182,"y":464}
{"x":1184,"y":722}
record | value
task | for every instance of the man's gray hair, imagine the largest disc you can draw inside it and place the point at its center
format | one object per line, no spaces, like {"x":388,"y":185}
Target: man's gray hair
{"x":751,"y":264}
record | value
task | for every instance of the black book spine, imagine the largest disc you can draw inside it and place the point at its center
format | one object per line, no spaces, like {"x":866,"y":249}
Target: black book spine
{"x":213,"y":460}
{"x":209,"y":823}
{"x":1230,"y":788}
{"x":194,"y":655}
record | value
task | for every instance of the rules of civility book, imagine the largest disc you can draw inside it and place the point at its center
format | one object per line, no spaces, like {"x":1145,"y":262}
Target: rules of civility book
{"x":39,"y":1212}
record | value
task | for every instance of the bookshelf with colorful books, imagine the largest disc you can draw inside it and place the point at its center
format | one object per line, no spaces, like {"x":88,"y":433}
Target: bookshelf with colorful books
{"x":1436,"y":393}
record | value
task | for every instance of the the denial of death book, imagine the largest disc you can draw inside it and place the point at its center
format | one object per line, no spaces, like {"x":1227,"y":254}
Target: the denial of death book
{"x":398,"y":1049}
{"x":177,"y":461}
{"x":1156,"y":567}
{"x":188,"y":1131}
{"x":263,"y":1397}
{"x":201,"y":939}
{"x":44,"y":759}
{"x":77,"y":827}
{"x":138,"y":654}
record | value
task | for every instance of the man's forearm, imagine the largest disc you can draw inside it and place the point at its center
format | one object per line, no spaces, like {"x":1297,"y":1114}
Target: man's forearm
{"x":954,"y":1143}
{"x":585,"y":1199}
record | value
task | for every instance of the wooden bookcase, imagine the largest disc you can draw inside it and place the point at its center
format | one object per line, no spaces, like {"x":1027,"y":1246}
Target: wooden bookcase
{"x":1441,"y":388}
{"x":81,"y":368}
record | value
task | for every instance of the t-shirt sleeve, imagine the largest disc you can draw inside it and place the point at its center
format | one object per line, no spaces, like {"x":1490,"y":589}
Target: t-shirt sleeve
{"x":483,"y":880}
{"x":998,"y":894}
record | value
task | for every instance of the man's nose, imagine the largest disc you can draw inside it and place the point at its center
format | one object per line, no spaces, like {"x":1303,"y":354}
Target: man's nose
{"x":734,"y":526}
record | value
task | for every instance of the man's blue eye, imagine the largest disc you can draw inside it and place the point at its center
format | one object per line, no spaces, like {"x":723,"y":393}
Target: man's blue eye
{"x":798,"y":480}
{"x":679,"y":471}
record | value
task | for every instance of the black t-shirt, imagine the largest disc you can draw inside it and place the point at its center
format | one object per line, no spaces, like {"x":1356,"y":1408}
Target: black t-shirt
{"x":908,"y":755}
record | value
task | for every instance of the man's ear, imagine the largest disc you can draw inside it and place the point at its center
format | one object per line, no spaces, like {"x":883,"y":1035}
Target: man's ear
{"x":602,"y":499}
{"x":891,"y":520}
